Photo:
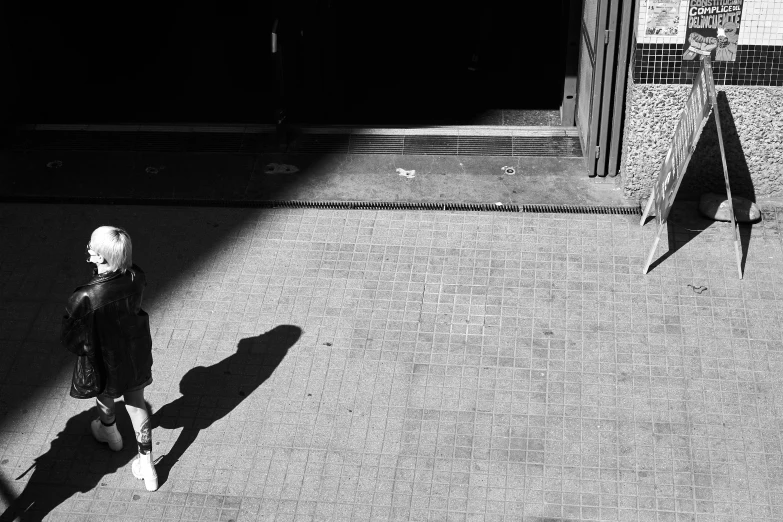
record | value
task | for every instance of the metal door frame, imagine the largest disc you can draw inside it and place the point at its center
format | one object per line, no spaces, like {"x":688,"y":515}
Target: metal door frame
{"x":614,"y":37}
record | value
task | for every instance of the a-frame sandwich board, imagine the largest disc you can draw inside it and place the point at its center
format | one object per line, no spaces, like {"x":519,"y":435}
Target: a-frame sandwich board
{"x":693,"y":117}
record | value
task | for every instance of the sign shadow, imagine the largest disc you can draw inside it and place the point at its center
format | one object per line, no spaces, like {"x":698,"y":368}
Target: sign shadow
{"x":75,"y":463}
{"x":707,"y":165}
{"x":212,"y":392}
{"x":704,"y":174}
{"x":684,"y":224}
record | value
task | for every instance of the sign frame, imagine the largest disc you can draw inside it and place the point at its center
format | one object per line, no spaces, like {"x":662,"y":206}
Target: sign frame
{"x":703,"y":98}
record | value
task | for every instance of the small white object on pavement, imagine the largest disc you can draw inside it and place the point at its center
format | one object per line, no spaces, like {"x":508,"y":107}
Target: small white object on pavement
{"x":407,"y":173}
{"x":280,"y":168}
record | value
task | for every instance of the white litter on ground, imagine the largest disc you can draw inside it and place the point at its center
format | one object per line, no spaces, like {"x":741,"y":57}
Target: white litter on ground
{"x":280,"y":168}
{"x":407,"y":173}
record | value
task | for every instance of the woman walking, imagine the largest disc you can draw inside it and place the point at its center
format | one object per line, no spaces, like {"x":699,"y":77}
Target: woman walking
{"x":110,"y":333}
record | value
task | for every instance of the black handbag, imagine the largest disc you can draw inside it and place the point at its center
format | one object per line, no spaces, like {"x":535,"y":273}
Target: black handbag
{"x":88,"y":379}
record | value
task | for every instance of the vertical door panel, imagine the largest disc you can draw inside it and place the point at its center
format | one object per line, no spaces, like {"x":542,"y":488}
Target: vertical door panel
{"x":609,"y":42}
{"x":590,"y":79}
{"x":626,"y":37}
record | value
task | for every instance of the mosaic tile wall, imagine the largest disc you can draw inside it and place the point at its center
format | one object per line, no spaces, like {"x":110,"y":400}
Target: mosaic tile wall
{"x":658,"y":56}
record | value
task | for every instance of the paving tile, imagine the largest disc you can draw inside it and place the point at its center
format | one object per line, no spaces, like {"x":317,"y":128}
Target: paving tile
{"x":448,"y":366}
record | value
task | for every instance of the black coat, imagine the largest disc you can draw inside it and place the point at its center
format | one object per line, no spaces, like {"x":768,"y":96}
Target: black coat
{"x":105,"y":326}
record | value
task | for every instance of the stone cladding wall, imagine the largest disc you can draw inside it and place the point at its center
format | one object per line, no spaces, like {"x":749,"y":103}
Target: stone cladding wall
{"x":752,"y":125}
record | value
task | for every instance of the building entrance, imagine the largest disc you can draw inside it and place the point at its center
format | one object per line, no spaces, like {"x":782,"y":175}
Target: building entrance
{"x":490,"y":64}
{"x":337,"y":62}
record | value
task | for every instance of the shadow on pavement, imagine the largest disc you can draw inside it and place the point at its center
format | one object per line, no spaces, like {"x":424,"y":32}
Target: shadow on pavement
{"x":210,"y":393}
{"x":31,"y":307}
{"x":705,"y":174}
{"x":75,"y":463}
{"x":705,"y":170}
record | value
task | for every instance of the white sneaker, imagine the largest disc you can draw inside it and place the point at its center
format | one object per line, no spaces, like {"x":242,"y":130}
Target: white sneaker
{"x":143,"y":468}
{"x":107,"y":434}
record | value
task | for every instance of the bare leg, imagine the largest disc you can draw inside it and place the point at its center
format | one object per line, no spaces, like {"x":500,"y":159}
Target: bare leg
{"x":143,"y":467}
{"x":105,"y":409}
{"x":104,"y":428}
{"x":140,"y":418}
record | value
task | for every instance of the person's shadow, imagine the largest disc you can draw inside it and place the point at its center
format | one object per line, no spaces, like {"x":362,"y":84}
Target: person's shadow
{"x":210,"y":393}
{"x":75,"y":463}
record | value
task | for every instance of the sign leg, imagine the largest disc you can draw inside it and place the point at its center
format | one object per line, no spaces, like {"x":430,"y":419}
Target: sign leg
{"x":738,"y":250}
{"x":653,"y":249}
{"x":715,"y":110}
{"x":647,"y":207}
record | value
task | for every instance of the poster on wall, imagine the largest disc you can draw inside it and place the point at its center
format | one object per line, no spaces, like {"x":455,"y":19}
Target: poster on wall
{"x":663,"y":17}
{"x":712,"y":29}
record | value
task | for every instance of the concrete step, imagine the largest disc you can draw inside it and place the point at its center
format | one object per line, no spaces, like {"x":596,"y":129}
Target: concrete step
{"x":507,"y":141}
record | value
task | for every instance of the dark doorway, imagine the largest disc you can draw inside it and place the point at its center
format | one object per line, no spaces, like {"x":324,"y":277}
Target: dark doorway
{"x":443,"y":63}
{"x":152,"y":62}
{"x":345,"y":61}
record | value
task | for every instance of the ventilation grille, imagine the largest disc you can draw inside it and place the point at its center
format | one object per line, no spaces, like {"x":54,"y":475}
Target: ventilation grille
{"x":326,"y":143}
{"x":345,"y":205}
{"x":321,"y":143}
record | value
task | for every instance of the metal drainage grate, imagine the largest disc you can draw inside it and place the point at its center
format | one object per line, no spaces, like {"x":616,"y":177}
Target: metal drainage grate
{"x":579,"y":209}
{"x":321,"y":143}
{"x":377,"y":144}
{"x":226,"y":142}
{"x":259,"y":142}
{"x":428,"y":145}
{"x":337,"y":205}
{"x":387,"y":205}
{"x":547,"y":146}
{"x":486,"y":146}
{"x":161,"y":141}
{"x":80,"y":140}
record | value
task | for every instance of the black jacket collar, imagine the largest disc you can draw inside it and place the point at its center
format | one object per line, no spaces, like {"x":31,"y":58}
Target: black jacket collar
{"x":102,"y":278}
{"x":94,"y":293}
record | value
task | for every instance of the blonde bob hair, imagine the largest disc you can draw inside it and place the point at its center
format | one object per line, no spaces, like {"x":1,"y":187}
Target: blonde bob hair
{"x":114,"y":244}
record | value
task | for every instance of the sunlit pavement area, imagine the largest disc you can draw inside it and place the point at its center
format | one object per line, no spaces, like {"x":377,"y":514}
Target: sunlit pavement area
{"x":402,"y":365}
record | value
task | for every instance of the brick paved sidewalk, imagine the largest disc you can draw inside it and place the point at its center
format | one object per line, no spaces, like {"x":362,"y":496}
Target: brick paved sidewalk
{"x":370,"y":365}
